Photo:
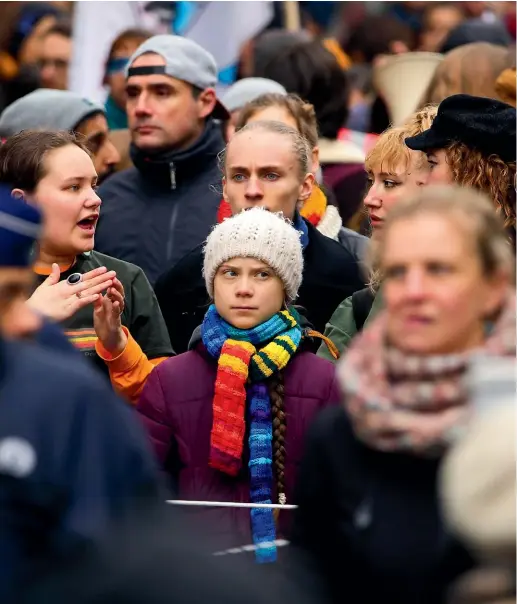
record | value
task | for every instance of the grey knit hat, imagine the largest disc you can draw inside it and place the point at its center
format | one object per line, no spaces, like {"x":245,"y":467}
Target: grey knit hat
{"x":47,"y":109}
{"x":256,"y":233}
{"x":248,"y":89}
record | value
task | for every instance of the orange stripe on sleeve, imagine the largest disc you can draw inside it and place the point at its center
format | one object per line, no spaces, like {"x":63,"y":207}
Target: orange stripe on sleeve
{"x":130,"y":369}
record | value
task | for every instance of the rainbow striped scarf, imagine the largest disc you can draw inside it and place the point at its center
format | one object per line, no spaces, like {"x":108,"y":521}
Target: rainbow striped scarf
{"x":241,"y":374}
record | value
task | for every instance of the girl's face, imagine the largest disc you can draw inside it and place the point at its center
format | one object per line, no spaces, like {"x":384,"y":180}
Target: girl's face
{"x":436,"y":293}
{"x":262,"y":170}
{"x":67,"y":198}
{"x":247,"y":292}
{"x":439,"y":170}
{"x":386,"y":189}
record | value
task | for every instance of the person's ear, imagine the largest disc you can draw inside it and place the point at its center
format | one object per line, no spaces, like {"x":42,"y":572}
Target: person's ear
{"x":19,"y":194}
{"x":206,"y":102}
{"x":306,"y":187}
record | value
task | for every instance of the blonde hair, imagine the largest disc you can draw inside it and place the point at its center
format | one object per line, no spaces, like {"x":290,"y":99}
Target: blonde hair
{"x":474,"y":210}
{"x":302,"y":112}
{"x":390,"y":151}
{"x":300,"y":145}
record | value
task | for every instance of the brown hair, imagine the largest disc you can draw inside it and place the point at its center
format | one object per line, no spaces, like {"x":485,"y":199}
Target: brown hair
{"x":302,"y":112}
{"x":22,"y":156}
{"x":276,"y":393}
{"x":490,"y":175}
{"x":299,"y":143}
{"x":129,"y":35}
{"x":474,"y":210}
{"x":470,"y":69}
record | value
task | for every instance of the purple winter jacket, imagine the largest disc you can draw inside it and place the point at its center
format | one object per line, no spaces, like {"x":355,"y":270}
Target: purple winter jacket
{"x":176,"y":408}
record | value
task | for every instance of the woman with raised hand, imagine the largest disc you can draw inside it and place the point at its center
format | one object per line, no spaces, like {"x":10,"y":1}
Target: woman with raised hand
{"x":394,"y":172}
{"x":449,"y":294}
{"x":228,"y":417}
{"x":101,"y":302}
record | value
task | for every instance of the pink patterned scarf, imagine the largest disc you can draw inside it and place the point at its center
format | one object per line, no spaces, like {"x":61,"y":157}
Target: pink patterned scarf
{"x":401,"y":402}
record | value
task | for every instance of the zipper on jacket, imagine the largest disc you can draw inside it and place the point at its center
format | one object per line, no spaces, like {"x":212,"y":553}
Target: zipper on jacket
{"x":172,"y":172}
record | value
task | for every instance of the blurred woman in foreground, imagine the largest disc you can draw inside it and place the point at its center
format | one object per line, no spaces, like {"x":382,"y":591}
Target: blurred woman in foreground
{"x":447,"y":287}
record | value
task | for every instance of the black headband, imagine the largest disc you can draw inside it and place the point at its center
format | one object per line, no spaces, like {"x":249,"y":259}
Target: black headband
{"x":148,"y":70}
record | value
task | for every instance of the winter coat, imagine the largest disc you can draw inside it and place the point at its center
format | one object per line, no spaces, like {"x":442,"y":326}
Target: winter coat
{"x":342,"y":327}
{"x":176,"y":408}
{"x":72,"y":459}
{"x":331,"y":273}
{"x":369,"y":522}
{"x":156,"y":212}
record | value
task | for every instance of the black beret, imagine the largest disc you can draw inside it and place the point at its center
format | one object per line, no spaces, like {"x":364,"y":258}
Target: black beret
{"x":480,"y":123}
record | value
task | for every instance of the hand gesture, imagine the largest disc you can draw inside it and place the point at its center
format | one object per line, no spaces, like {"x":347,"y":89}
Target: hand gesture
{"x":106,"y":319}
{"x":59,"y":300}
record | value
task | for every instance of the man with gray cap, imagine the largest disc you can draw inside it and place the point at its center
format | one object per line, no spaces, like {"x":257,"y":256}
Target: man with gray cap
{"x":157,"y":211}
{"x":46,"y":109}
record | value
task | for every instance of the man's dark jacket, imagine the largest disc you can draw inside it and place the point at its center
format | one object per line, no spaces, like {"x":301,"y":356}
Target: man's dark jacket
{"x":331,"y":273}
{"x":73,"y":458}
{"x":153,"y":214}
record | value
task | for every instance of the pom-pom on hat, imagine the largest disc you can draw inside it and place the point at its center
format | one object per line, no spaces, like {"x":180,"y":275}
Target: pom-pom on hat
{"x":19,"y":230}
{"x":256,"y":233}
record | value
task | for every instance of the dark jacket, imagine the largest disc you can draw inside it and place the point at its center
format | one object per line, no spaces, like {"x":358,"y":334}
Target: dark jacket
{"x":160,"y":558}
{"x":72,"y":459}
{"x":176,"y":408}
{"x":370,"y":521}
{"x":330,"y":274}
{"x":158,"y":211}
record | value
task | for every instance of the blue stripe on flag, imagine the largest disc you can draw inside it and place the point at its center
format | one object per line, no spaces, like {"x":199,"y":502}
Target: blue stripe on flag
{"x":228,"y":75}
{"x":184,"y":11}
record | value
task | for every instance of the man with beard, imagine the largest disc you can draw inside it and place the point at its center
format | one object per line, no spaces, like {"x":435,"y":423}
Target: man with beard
{"x":46,"y":109}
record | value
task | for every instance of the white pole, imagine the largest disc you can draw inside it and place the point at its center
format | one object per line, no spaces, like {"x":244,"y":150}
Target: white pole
{"x":230,"y":504}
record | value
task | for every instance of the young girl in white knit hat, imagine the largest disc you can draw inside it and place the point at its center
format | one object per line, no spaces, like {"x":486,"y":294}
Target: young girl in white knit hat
{"x":228,"y":417}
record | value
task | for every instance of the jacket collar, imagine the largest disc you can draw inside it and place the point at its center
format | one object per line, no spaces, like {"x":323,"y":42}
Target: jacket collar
{"x":168,"y":168}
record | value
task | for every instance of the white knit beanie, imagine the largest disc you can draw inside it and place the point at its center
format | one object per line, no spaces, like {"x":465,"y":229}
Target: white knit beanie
{"x":260,"y":234}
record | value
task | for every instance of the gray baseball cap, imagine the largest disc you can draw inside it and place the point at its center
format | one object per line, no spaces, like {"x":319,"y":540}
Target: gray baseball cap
{"x":248,"y":89}
{"x":47,"y":109}
{"x":184,"y":60}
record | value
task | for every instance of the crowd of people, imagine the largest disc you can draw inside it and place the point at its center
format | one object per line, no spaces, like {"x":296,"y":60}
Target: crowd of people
{"x":260,"y":343}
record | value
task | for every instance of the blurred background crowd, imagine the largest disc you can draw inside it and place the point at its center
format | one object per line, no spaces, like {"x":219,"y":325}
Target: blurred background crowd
{"x":384,"y":132}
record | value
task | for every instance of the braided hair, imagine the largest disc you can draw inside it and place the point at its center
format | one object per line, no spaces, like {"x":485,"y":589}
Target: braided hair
{"x":276,"y":393}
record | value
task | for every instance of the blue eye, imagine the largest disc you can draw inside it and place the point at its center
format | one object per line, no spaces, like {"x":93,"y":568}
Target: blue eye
{"x":271,"y":176}
{"x":229,"y":273}
{"x":263,"y":275}
{"x":238,"y":177}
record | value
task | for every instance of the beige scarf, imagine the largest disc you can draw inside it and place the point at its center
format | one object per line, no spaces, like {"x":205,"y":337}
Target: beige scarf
{"x":415,"y":403}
